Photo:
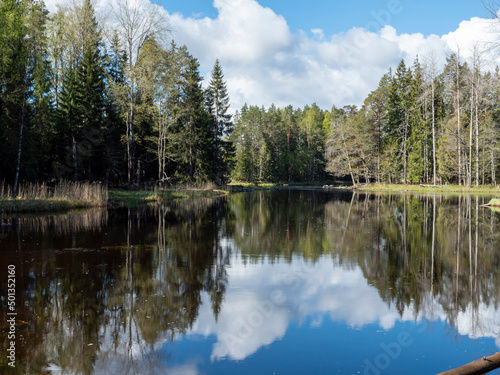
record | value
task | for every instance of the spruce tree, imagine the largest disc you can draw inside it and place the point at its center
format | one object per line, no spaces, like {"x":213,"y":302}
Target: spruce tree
{"x":218,"y":105}
{"x":197,"y":148}
{"x":113,"y":152}
{"x":398,"y":129}
{"x":418,"y":161}
{"x":82,"y":100}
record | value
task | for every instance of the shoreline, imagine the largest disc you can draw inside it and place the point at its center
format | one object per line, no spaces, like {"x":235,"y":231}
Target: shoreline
{"x":131,"y":198}
{"x":116,"y":198}
{"x":398,"y":188}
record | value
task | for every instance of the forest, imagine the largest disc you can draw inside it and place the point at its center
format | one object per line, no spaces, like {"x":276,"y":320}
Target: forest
{"x":418,"y":126}
{"x":120,"y":102}
{"x":79,"y":107}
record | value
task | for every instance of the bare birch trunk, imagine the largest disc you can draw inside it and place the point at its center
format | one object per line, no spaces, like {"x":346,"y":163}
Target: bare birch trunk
{"x":433,"y":134}
{"x":471,"y":125}
{"x":21,"y":132}
{"x":459,"y":152}
{"x":477,"y":133}
{"x":75,"y":161}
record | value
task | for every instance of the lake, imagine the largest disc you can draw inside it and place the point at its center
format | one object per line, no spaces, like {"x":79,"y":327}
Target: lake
{"x":266,"y":282}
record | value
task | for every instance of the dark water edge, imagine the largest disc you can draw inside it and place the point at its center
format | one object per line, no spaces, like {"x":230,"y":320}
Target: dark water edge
{"x":289,"y":281}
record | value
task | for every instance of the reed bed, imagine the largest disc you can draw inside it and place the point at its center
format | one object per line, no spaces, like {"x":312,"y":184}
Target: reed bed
{"x":42,"y":196}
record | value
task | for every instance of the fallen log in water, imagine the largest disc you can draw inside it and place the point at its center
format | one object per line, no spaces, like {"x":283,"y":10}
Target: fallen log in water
{"x":478,"y":367}
{"x":495,"y":202}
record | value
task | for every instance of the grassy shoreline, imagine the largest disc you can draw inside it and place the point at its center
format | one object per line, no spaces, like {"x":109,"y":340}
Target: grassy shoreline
{"x":114,"y":198}
{"x":120,"y":198}
{"x":62,"y":196}
{"x":66,"y":197}
{"x":249,"y":186}
{"x":42,"y":205}
{"x":398,"y":188}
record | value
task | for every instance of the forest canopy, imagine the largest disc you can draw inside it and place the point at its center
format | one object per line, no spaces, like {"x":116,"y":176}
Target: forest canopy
{"x":121,"y":102}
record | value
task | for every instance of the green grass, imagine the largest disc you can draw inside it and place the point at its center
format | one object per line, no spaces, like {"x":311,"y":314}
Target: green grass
{"x":235,"y":185}
{"x":488,"y":189}
{"x":253,"y":184}
{"x":35,"y":205}
{"x":189,"y":193}
{"x":130,"y":197}
{"x":494,"y":202}
{"x":139,"y":197}
{"x":69,"y":195}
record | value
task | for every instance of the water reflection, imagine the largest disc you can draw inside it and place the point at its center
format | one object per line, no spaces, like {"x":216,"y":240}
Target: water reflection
{"x":119,"y":291}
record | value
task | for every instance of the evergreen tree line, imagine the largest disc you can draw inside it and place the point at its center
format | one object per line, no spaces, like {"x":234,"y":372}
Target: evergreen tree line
{"x":129,"y":109}
{"x":132,"y":108}
{"x":418,"y":126}
{"x":280,"y":145}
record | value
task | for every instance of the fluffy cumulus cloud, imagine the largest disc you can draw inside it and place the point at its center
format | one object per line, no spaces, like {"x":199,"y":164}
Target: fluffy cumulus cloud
{"x":477,"y":33}
{"x":263,"y":300}
{"x":265,"y":62}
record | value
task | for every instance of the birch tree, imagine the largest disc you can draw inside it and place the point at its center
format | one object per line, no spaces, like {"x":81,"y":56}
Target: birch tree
{"x":432,"y":74}
{"x":138,"y":20}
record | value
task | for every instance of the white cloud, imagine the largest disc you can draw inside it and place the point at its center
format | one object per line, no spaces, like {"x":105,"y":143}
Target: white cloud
{"x":262,"y":300}
{"x":243,"y":32}
{"x":265,"y":62}
{"x":480,"y":32}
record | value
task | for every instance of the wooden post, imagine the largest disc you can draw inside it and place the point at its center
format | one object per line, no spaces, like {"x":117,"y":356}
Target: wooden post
{"x":478,"y":367}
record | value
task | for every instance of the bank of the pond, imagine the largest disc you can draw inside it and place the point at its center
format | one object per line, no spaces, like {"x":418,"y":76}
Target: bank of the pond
{"x":138,"y":197}
{"x":237,"y":186}
{"x":43,"y":205}
{"x":115,"y":198}
{"x":398,"y":188}
{"x":42,"y":197}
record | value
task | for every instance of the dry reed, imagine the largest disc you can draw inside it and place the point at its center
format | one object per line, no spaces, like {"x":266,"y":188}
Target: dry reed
{"x":83,"y":192}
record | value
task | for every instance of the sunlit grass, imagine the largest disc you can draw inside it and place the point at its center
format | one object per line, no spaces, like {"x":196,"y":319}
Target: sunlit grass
{"x":253,"y":185}
{"x":269,"y":185}
{"x":179,"y":192}
{"x":494,"y":202}
{"x":427,"y":188}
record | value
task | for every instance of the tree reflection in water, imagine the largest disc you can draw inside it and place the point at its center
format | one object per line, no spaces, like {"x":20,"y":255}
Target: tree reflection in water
{"x":104,"y":291}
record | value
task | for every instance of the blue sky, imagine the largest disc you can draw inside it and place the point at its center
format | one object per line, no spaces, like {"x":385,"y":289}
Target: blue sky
{"x":327,"y":52}
{"x":334,"y":16}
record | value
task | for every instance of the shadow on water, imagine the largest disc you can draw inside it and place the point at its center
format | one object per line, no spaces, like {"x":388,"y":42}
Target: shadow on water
{"x":102,"y":290}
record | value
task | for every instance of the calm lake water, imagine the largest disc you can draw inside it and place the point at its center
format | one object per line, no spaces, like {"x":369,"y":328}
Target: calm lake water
{"x":275,"y":282}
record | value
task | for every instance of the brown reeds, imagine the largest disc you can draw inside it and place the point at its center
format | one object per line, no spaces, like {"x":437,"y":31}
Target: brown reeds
{"x":75,"y":194}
